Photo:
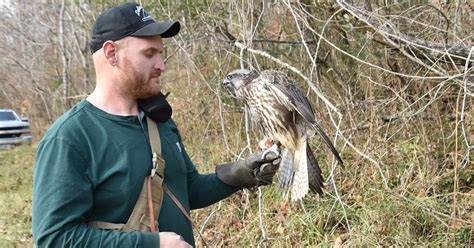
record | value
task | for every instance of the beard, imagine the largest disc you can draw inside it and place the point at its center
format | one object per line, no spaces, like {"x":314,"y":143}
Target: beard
{"x":136,"y":85}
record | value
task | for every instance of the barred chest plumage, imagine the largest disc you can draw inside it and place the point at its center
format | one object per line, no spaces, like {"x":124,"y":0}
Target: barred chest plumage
{"x":274,"y":118}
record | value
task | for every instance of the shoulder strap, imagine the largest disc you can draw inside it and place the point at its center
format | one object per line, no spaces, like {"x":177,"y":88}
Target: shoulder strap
{"x":155,"y":142}
{"x":177,"y":203}
{"x":158,"y":161}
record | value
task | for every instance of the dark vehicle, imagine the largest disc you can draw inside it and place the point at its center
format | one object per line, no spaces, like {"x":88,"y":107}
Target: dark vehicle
{"x":13,"y":130}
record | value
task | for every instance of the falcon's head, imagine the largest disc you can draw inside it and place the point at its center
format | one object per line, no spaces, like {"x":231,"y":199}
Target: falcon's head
{"x":236,"y":78}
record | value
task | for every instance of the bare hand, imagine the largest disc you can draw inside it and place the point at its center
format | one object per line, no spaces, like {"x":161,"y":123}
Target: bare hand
{"x":171,"y":239}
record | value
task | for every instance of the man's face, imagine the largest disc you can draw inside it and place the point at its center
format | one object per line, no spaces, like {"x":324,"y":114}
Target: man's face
{"x":140,"y":64}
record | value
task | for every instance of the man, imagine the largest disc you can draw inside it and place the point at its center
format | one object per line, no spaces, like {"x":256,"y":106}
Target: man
{"x":92,"y":162}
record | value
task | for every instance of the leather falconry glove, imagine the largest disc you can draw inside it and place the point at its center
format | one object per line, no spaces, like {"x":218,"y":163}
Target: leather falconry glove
{"x":258,"y":169}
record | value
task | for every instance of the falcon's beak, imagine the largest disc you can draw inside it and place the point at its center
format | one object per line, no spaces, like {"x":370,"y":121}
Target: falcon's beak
{"x":227,"y":82}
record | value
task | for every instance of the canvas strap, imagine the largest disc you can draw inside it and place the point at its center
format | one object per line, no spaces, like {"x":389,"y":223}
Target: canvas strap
{"x":155,"y":142}
{"x":156,"y":150}
{"x":177,"y":203}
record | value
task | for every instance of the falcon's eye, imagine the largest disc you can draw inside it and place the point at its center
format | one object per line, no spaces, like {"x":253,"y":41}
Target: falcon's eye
{"x":230,"y":76}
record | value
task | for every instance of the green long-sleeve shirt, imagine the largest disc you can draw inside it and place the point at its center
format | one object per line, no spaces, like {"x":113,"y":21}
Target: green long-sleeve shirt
{"x":90,"y":165}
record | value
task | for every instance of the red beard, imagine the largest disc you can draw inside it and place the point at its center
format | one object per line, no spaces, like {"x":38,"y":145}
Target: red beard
{"x":134,"y":84}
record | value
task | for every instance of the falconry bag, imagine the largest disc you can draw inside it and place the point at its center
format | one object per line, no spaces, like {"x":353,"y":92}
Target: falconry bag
{"x":147,"y":208}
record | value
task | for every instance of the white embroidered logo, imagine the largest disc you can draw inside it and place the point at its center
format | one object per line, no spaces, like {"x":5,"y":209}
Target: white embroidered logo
{"x":140,"y":11}
{"x":179,"y":146}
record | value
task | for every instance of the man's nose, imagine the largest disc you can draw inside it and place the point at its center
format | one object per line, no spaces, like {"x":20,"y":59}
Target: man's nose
{"x":160,"y":63}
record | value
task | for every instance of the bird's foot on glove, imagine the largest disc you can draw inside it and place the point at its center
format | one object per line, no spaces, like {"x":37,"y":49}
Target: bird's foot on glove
{"x":258,"y":169}
{"x":268,"y":146}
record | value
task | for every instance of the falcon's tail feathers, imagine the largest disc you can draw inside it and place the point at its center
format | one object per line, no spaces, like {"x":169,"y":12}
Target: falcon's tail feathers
{"x":287,"y":174}
{"x":300,"y":185}
{"x":314,"y":173}
{"x":326,"y":140}
{"x":307,"y":176}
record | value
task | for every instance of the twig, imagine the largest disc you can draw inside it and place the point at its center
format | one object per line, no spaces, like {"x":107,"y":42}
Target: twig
{"x":467,"y":77}
{"x":333,"y":167}
{"x":455,"y":159}
{"x":247,"y":129}
{"x":456,"y":24}
{"x":64,"y":57}
{"x":330,"y":211}
{"x":203,"y":226}
{"x":221,"y":118}
{"x":260,"y":217}
{"x":260,"y":198}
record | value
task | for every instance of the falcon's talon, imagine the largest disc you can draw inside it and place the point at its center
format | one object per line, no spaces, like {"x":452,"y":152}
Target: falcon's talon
{"x":274,"y":148}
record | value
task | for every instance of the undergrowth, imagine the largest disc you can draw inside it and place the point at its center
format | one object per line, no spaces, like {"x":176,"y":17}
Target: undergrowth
{"x":364,"y":214}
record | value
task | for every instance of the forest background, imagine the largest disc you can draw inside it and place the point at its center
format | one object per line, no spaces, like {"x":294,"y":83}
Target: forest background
{"x":391,"y":83}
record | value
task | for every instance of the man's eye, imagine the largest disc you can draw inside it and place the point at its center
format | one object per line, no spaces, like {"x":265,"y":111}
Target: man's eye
{"x":150,"y":53}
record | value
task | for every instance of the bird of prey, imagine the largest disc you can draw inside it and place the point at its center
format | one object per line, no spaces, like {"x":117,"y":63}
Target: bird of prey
{"x":283,"y":113}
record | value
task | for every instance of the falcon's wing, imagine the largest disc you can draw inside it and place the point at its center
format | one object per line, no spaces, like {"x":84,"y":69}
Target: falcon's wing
{"x":290,"y":89}
{"x":299,"y":102}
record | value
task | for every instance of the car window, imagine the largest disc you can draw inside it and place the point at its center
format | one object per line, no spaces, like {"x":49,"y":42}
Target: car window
{"x":7,"y":116}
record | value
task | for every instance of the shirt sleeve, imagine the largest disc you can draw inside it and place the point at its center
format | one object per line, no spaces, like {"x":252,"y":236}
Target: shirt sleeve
{"x":204,"y":189}
{"x":62,"y":197}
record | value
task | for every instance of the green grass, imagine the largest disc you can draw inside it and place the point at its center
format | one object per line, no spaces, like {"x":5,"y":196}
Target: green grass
{"x":16,"y":165}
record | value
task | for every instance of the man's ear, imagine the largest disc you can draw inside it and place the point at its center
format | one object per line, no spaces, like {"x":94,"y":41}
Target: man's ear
{"x":110,"y":52}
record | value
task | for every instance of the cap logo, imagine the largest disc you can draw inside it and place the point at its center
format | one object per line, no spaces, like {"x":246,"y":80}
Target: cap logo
{"x":140,"y":11}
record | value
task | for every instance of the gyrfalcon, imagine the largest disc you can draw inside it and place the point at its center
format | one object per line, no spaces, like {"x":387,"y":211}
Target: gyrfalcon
{"x":283,"y":113}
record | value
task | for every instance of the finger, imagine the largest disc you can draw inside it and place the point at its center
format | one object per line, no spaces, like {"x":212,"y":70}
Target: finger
{"x":254,"y":160}
{"x":265,"y":177}
{"x":268,"y":168}
{"x":277,"y":161}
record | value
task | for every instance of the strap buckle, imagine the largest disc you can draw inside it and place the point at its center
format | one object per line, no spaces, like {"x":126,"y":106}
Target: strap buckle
{"x":156,"y":162}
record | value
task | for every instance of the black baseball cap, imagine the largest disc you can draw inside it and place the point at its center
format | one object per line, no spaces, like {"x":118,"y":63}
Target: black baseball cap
{"x":128,"y":19}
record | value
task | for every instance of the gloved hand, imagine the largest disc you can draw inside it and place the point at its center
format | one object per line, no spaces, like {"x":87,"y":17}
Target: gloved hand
{"x":258,"y":169}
